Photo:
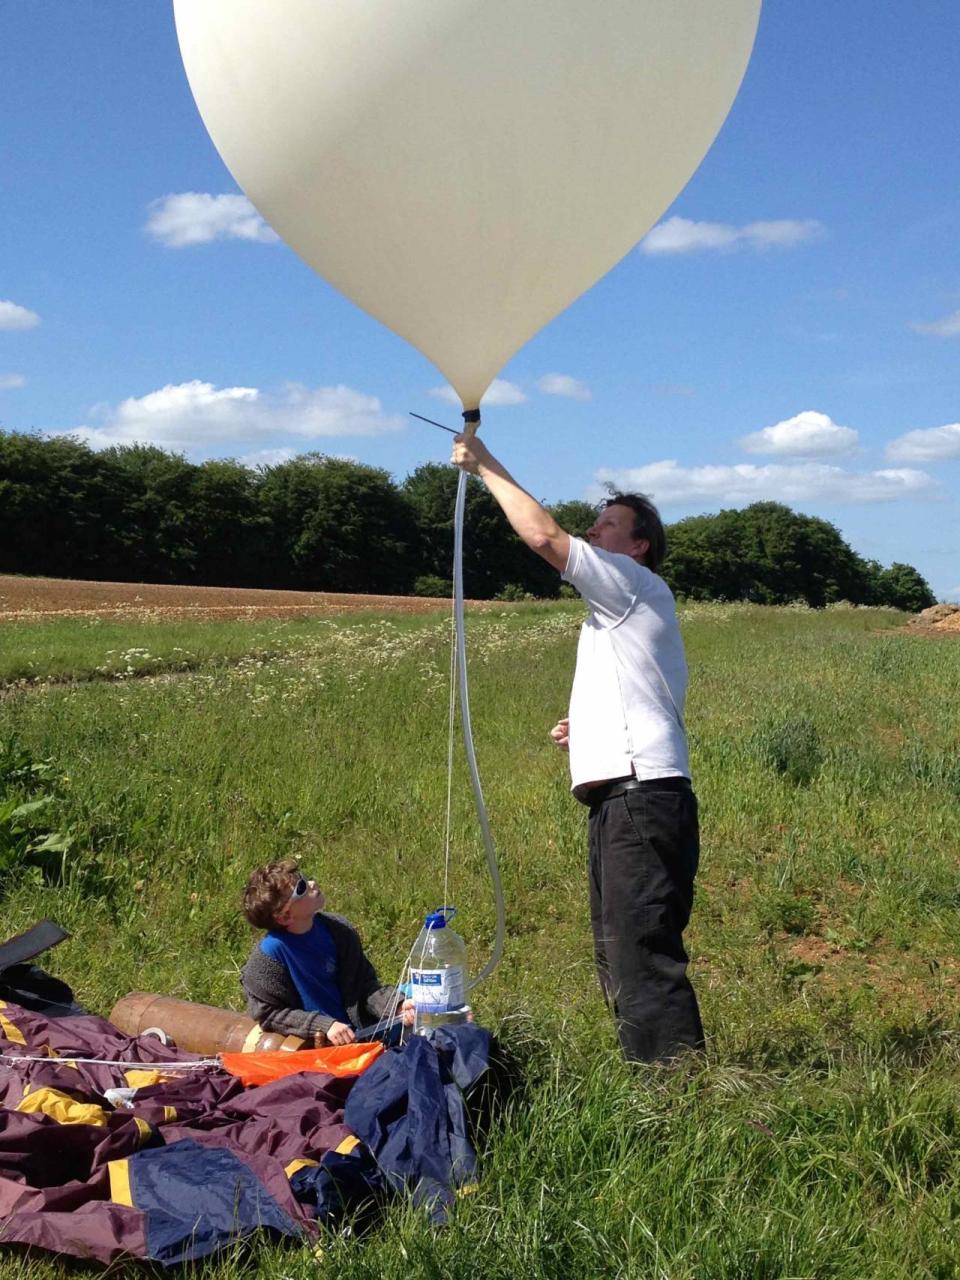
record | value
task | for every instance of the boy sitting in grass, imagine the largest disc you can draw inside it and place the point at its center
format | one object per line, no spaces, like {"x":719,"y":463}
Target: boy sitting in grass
{"x":309,"y":976}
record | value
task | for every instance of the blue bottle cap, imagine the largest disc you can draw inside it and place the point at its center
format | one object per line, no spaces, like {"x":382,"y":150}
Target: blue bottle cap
{"x":438,"y":919}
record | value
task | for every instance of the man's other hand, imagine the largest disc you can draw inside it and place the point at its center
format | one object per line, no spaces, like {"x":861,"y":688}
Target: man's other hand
{"x":560,"y":733}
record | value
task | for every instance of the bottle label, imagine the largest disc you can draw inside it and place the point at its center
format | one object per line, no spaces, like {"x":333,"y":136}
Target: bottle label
{"x":438,"y":990}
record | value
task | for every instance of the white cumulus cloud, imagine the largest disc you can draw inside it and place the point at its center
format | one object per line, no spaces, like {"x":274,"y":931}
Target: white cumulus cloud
{"x":199,"y":417}
{"x":195,"y":217}
{"x":682,"y":235}
{"x":670,"y":484}
{"x":267,"y":458}
{"x":807,"y":435}
{"x":13,"y":316}
{"x":446,"y":394}
{"x":946,"y":327}
{"x":9,"y":381}
{"x":499,"y":394}
{"x":561,"y":384}
{"x":931,"y":444}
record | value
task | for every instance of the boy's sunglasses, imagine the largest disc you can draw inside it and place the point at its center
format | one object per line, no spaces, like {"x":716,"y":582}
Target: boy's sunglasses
{"x":299,"y":889}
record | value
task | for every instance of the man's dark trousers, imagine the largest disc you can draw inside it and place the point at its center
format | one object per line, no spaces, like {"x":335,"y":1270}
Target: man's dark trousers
{"x":644,"y":851}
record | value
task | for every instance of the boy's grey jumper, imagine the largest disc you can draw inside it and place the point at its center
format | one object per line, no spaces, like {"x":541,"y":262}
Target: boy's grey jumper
{"x":274,"y":1002}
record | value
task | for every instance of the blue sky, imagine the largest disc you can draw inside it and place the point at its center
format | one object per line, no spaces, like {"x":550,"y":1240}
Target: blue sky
{"x":790,"y":330}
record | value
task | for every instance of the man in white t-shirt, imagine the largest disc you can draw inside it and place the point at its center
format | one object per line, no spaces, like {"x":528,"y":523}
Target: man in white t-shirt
{"x":628,"y":756}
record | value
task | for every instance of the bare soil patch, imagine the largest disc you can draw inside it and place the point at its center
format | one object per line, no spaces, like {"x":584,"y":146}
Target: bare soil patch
{"x":894,"y":978}
{"x":939,"y":621}
{"x":947,"y":629}
{"x":36,"y":599}
{"x":936,"y":613}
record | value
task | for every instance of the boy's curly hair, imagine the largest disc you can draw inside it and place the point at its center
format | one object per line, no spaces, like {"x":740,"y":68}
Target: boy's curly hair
{"x":268,"y":892}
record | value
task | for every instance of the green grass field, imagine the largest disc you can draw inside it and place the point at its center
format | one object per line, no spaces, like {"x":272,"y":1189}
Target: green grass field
{"x":821,"y":1136}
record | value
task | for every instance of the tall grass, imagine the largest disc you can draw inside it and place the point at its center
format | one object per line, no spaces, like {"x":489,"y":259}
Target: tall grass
{"x":820,"y":1136}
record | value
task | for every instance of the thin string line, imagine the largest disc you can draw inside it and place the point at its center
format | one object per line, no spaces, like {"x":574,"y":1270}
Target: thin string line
{"x":201,"y":1064}
{"x":387,"y":1020}
{"x":451,"y":724}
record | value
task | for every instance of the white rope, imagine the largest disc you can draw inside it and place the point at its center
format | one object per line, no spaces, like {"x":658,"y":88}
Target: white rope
{"x":451,"y":725}
{"x":385,"y":1020}
{"x":458,"y":684}
{"x":474,"y":772}
{"x":200,"y":1064}
{"x":405,"y":972}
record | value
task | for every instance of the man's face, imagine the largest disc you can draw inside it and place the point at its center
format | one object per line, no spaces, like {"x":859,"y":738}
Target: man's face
{"x":613,"y":531}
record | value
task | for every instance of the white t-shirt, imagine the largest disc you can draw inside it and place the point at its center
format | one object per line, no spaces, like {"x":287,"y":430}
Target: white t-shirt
{"x":626,"y":706}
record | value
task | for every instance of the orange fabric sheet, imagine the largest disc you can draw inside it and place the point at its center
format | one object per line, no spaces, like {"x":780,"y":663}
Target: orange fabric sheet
{"x":335,"y":1060}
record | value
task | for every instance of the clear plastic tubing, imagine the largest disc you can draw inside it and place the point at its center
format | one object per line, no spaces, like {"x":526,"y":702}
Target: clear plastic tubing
{"x":468,"y":733}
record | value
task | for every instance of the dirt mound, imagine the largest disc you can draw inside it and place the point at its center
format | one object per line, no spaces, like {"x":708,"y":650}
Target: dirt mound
{"x":34,"y":599}
{"x":936,"y":613}
{"x":950,"y":623}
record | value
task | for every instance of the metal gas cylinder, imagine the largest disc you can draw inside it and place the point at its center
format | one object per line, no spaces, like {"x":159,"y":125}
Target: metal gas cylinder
{"x":198,"y":1028}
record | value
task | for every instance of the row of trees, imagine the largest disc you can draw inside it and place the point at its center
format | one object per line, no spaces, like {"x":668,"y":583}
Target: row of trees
{"x":772,"y":555}
{"x":140,"y":514}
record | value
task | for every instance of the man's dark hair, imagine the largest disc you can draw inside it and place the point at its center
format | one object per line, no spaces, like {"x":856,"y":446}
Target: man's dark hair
{"x":646,"y":524}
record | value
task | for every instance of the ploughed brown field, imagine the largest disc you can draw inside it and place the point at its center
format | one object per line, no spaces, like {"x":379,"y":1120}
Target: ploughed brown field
{"x":31,"y":599}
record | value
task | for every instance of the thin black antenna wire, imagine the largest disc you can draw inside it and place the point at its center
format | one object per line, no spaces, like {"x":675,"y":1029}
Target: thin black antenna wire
{"x":432,"y":423}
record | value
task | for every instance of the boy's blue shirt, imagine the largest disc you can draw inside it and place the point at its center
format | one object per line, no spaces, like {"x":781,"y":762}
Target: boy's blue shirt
{"x":311,"y":960}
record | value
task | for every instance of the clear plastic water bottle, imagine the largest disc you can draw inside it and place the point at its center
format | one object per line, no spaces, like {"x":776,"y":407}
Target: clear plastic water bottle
{"x":438,"y":972}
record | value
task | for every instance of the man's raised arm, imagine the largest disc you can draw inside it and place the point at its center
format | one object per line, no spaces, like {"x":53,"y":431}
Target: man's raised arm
{"x":531,"y":522}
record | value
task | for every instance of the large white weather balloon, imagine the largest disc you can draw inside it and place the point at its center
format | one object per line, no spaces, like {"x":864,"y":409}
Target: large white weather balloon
{"x":464,"y":169}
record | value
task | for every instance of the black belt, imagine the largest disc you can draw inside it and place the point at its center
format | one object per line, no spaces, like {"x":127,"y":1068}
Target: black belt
{"x":620,"y":786}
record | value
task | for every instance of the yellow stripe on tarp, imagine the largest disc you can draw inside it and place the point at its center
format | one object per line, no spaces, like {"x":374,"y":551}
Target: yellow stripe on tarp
{"x":347,"y":1145}
{"x":61,"y":1107}
{"x":11,"y":1031}
{"x":143,"y":1077}
{"x":169,"y":1113}
{"x":253,"y":1038}
{"x":146,"y":1133}
{"x":120,"y":1190}
{"x":296,"y":1165}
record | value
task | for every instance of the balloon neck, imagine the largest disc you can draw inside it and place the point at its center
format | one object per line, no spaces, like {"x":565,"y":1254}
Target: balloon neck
{"x":471,"y":419}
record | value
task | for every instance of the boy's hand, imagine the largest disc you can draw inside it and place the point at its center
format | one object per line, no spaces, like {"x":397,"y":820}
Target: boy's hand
{"x":340,"y":1033}
{"x":560,"y":733}
{"x":408,"y":1012}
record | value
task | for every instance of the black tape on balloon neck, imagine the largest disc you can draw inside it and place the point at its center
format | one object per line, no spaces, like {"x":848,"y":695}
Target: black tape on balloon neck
{"x":471,"y":415}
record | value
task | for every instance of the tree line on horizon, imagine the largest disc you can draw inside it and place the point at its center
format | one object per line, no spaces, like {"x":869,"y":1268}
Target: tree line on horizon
{"x":138,"y":513}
